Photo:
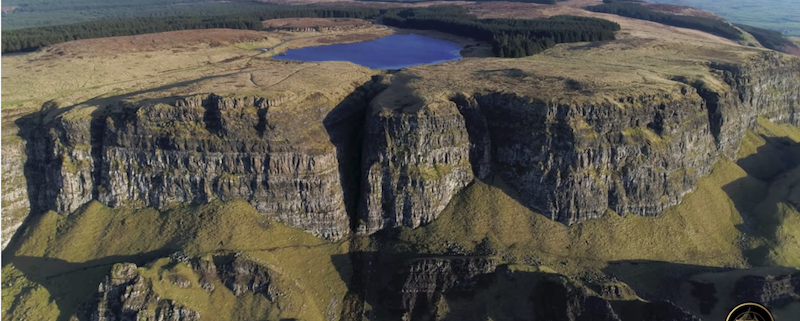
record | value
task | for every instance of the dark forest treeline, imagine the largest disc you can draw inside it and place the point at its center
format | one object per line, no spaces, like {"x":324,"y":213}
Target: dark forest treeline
{"x":33,"y":38}
{"x":768,"y":38}
{"x":635,"y":10}
{"x":509,"y":37}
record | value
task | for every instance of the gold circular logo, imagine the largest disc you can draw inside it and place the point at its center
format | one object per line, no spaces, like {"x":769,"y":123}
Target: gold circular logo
{"x":750,"y":311}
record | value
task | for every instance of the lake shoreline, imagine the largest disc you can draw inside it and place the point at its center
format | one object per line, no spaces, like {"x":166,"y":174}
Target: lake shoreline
{"x":396,"y":51}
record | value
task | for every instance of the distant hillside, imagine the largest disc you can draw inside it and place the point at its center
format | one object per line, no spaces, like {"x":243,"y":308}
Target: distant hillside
{"x":778,"y":15}
{"x":634,"y":9}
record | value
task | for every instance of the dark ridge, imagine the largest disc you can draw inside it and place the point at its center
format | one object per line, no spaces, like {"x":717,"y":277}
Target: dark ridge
{"x":769,"y":38}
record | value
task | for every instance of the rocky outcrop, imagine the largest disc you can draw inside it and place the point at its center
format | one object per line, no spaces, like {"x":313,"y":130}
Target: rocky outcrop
{"x":415,"y":292}
{"x":221,"y":148}
{"x":329,"y":170}
{"x":769,"y":84}
{"x":556,"y":300}
{"x":195,"y":150}
{"x":772,"y":291}
{"x":15,"y":188}
{"x":241,"y":275}
{"x":125,"y":295}
{"x":412,"y":165}
{"x":572,"y":163}
{"x":423,"y":282}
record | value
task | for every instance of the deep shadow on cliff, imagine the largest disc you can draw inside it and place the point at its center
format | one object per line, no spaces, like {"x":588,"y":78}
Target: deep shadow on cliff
{"x":655,"y":280}
{"x":345,"y":127}
{"x":771,"y":174}
{"x":477,"y":288}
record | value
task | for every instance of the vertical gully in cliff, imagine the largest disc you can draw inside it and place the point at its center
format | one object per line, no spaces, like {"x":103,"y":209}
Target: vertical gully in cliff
{"x":213,"y":116}
{"x":480,"y":153}
{"x":345,"y":125}
{"x":714,"y":114}
{"x":40,"y":165}
{"x":711,"y":99}
{"x":98,"y":137}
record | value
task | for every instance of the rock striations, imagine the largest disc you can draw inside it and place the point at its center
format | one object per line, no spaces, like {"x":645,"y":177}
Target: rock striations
{"x":372,"y":162}
{"x":125,"y":295}
{"x":412,"y":164}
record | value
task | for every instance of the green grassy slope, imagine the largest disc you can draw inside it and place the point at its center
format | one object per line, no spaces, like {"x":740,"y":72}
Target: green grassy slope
{"x":65,"y":258}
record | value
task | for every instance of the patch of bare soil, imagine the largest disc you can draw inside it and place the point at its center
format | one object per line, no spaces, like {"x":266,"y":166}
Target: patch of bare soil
{"x":183,"y":40}
{"x":301,"y":23}
{"x":7,"y":9}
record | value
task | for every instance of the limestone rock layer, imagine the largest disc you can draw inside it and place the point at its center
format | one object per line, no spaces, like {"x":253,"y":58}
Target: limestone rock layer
{"x":335,"y":166}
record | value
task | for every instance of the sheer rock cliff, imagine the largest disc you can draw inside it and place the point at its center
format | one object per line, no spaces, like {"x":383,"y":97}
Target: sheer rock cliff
{"x":330,"y":165}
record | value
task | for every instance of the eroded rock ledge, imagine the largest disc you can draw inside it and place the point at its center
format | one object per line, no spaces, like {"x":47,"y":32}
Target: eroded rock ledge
{"x":329,"y":167}
{"x":570,"y":162}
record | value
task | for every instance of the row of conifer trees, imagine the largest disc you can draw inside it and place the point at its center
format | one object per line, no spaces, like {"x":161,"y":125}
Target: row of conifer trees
{"x":509,"y":37}
{"x":33,"y":38}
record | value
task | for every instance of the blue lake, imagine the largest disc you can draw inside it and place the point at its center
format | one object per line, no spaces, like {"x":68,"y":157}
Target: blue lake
{"x":390,"y":52}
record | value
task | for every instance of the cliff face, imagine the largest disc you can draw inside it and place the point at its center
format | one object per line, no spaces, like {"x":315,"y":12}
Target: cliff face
{"x":194,"y":150}
{"x":427,"y":289}
{"x":15,"y":188}
{"x":769,"y":84}
{"x":574,"y":161}
{"x":369,"y":166}
{"x":217,"y":148}
{"x":412,"y":164}
{"x":424,"y":282}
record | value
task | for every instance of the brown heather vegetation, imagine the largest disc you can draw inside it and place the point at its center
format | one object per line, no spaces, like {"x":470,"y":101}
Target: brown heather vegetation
{"x":682,"y":11}
{"x":315,"y":23}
